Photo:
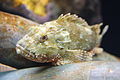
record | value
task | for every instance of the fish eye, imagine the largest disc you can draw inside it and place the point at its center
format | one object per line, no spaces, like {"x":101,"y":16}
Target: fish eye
{"x":43,"y":38}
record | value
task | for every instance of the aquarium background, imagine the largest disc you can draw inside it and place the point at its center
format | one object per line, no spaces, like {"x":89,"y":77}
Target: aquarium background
{"x":111,"y":16}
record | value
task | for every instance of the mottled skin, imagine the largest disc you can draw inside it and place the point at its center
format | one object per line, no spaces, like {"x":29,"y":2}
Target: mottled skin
{"x":68,"y":39}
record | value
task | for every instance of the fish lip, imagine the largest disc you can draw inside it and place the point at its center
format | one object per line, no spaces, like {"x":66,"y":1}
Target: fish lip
{"x":23,"y":51}
{"x":21,"y":48}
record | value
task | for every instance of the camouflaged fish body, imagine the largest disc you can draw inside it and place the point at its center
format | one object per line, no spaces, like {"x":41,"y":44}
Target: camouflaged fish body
{"x":68,"y":39}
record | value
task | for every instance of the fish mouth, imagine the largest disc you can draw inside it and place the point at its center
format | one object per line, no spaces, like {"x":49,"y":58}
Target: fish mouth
{"x":21,"y":50}
{"x":37,"y":58}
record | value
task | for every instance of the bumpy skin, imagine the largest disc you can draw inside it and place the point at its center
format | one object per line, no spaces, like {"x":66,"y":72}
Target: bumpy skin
{"x":68,"y":39}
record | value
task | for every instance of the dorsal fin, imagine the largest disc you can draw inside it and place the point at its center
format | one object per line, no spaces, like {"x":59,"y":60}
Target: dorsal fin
{"x":71,"y":18}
